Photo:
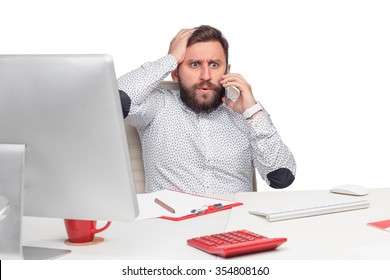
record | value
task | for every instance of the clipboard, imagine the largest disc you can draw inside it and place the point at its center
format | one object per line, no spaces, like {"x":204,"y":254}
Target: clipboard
{"x":185,"y":205}
{"x":207,"y":210}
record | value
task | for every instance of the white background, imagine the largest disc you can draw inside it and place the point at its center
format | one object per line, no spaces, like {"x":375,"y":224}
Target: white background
{"x":320,"y":68}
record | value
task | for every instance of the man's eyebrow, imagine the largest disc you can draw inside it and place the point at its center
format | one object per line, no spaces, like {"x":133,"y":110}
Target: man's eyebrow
{"x":215,"y":61}
{"x":194,"y":60}
{"x":219,"y":61}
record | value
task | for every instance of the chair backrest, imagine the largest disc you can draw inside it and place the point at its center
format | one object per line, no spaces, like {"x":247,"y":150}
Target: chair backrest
{"x":135,"y":150}
{"x":134,"y":144}
{"x":137,"y":162}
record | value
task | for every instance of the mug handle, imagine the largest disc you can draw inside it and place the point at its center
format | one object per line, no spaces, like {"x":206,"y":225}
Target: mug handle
{"x":96,"y":230}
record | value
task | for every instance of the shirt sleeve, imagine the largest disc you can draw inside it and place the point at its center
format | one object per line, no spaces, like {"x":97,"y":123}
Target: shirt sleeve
{"x":141,"y":84}
{"x":271,"y":157}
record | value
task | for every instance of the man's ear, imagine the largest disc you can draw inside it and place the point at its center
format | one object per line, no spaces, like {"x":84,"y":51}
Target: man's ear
{"x":175,"y":76}
{"x":228,"y":69}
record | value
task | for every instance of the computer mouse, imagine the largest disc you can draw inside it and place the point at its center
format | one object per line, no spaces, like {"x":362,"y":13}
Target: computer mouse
{"x":350,"y":190}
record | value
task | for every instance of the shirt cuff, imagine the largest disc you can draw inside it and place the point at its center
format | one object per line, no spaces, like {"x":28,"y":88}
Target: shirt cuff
{"x":156,"y":71}
{"x":261,"y":126}
{"x":169,"y":60}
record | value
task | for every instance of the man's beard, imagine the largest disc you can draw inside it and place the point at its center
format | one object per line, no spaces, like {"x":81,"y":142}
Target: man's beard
{"x":202,"y":102}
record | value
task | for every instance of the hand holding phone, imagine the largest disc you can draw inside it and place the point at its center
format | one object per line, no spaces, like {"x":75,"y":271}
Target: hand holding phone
{"x":236,"y":85}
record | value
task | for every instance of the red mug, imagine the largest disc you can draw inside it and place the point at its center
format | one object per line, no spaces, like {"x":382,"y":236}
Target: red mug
{"x":82,"y":231}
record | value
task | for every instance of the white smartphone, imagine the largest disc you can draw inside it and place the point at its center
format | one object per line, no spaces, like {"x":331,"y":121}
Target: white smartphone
{"x":231,"y":93}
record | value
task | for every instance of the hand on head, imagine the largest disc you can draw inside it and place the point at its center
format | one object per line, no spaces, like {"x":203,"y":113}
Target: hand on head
{"x":178,"y":45}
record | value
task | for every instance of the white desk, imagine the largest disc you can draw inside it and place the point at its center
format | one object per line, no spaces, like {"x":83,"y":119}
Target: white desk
{"x":344,"y":235}
{"x":334,"y":236}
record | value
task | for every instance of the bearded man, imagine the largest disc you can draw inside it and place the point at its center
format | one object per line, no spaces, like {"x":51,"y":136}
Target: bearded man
{"x":195,"y":139}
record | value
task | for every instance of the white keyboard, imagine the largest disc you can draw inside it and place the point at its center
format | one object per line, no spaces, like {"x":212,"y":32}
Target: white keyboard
{"x":311,"y":209}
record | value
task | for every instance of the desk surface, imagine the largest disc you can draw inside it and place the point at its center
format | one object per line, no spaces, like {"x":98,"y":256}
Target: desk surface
{"x":343,"y":235}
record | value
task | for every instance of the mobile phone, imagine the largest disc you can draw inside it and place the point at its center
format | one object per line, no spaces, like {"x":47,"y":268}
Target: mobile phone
{"x":231,"y":92}
{"x":226,"y":95}
{"x":226,"y":88}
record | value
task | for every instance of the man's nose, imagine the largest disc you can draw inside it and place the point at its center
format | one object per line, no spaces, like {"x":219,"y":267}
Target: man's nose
{"x":205,"y":74}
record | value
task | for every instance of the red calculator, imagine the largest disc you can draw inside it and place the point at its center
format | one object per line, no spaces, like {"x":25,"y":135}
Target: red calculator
{"x":234,"y":243}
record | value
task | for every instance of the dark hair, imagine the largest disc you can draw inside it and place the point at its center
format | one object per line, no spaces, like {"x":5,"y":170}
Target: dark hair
{"x":206,"y":33}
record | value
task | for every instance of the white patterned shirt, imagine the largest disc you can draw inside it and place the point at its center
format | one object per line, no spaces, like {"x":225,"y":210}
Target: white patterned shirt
{"x":202,"y":153}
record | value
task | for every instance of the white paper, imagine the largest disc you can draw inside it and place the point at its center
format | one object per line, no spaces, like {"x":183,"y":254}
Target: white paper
{"x":183,"y":204}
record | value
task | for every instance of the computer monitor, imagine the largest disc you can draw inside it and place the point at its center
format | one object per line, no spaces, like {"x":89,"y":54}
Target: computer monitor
{"x":62,"y":142}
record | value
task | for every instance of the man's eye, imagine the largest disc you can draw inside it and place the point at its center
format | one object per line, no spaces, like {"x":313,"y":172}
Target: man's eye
{"x":214,"y":65}
{"x":194,"y":64}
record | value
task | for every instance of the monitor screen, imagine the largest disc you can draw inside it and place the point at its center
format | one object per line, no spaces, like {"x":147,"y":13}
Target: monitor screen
{"x":66,"y":110}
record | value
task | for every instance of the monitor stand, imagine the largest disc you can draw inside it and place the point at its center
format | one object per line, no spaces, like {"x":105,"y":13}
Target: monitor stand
{"x":11,"y":208}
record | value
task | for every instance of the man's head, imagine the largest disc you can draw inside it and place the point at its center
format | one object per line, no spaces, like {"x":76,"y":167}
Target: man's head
{"x":200,"y":73}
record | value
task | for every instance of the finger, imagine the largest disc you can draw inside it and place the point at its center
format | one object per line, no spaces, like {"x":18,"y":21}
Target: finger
{"x":227,"y":79}
{"x":184,"y":33}
{"x":232,"y":82}
{"x":230,"y":103}
{"x":234,"y":77}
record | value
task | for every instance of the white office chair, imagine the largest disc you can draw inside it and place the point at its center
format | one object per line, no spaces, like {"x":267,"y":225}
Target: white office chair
{"x":134,"y":144}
